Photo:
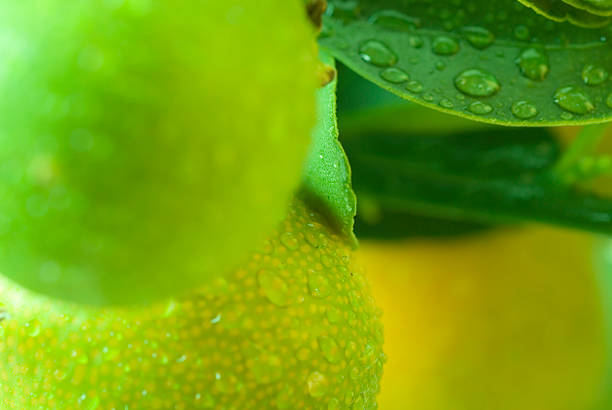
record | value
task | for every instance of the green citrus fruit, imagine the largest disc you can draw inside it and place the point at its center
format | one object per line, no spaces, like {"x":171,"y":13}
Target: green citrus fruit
{"x":294,"y":328}
{"x":146,"y":145}
{"x":505,"y":320}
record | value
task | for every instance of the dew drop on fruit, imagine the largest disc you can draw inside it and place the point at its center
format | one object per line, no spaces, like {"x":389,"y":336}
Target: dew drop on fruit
{"x":334,"y":315}
{"x":33,"y":328}
{"x":394,"y":75}
{"x":284,"y":397}
{"x":414,"y":86}
{"x":289,"y":240}
{"x":480,"y":108}
{"x":334,"y":404}
{"x":394,"y":20}
{"x":445,"y":46}
{"x":477,"y":83}
{"x":533,"y":63}
{"x":573,"y":100}
{"x":479,"y":37}
{"x":318,"y":284}
{"x":524,"y":110}
{"x":317,"y":384}
{"x":378,"y":54}
{"x":355,"y":373}
{"x":227,"y":383}
{"x":594,"y":75}
{"x":267,"y":368}
{"x":330,"y":349}
{"x":274,"y":287}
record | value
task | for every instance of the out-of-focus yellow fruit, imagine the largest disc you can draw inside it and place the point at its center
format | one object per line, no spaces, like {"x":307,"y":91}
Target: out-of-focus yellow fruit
{"x":505,"y":320}
{"x":294,"y":328}
{"x":145,"y":146}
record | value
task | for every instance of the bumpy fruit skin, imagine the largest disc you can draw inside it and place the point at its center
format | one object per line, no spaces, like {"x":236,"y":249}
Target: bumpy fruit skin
{"x":504,"y":320}
{"x":147,"y":145}
{"x":294,"y":328}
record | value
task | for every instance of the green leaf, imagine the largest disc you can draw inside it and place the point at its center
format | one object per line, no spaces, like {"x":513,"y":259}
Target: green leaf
{"x":492,"y":61}
{"x":561,"y":10}
{"x":326,"y":180}
{"x":496,"y":176}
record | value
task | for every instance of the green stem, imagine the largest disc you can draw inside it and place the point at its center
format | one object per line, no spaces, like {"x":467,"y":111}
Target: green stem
{"x":585,"y":143}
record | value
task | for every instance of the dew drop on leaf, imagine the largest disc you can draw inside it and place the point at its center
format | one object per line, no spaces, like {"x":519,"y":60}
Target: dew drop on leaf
{"x":524,"y":110}
{"x":477,"y":83}
{"x":378,"y":54}
{"x":573,"y":100}
{"x":478,"y":37}
{"x":609,"y":100}
{"x":480,"y":108}
{"x":446,"y":103}
{"x":521,"y":32}
{"x":445,"y":46}
{"x":533,"y":64}
{"x":394,"y":20}
{"x":594,"y":75}
{"x":394,"y":75}
{"x":414,"y":86}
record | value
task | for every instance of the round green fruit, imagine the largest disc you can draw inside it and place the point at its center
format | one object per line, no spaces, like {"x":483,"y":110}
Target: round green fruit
{"x":294,"y":328}
{"x":146,"y":145}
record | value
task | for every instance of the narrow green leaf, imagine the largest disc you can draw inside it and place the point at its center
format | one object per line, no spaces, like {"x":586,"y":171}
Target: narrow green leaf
{"x":492,"y":61}
{"x":562,"y":10}
{"x":463,"y":178}
{"x":326,"y":181}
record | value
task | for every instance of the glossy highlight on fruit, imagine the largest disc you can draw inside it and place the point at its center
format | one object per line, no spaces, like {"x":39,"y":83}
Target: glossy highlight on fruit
{"x":293,"y":328}
{"x":138,"y":157}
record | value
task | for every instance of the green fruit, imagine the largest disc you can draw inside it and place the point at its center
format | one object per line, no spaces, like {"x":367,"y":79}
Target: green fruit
{"x":294,"y":328}
{"x":146,"y":145}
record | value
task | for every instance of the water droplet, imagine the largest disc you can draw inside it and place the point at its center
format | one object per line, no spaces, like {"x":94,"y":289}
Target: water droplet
{"x":355,"y":372}
{"x":274,"y":287}
{"x":521,"y":32}
{"x":227,"y":383}
{"x":378,"y":54}
{"x":480,"y":108}
{"x":594,"y":75}
{"x":289,"y":240}
{"x":33,"y":328}
{"x":334,"y":315}
{"x":477,"y":83}
{"x":533,"y":64}
{"x":318,"y":284}
{"x":267,"y":368}
{"x":314,"y":237}
{"x":446,"y":103}
{"x":445,"y":46}
{"x":573,"y":100}
{"x":609,"y":100}
{"x":394,"y":20}
{"x":478,"y":37}
{"x":428,"y":97}
{"x":415,"y":41}
{"x":567,"y":116}
{"x":394,"y":75}
{"x":284,"y":396}
{"x":414,"y":86}
{"x":440,"y":66}
{"x":317,"y":384}
{"x":334,"y":404}
{"x":524,"y":110}
{"x":330,"y":349}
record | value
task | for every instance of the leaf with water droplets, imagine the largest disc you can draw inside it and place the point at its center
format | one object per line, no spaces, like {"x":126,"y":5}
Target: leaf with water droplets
{"x":496,"y":175}
{"x":326,"y":181}
{"x":496,"y":62}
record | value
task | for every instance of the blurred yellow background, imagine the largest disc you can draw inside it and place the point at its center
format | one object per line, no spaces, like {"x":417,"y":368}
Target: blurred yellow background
{"x":509,"y":319}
